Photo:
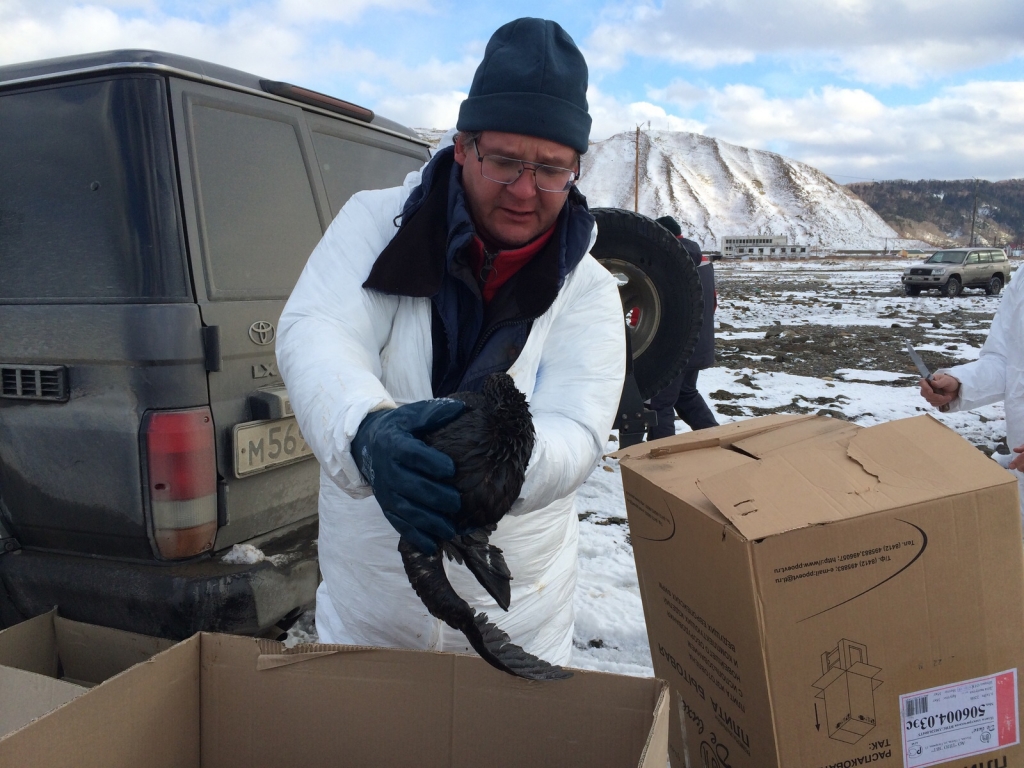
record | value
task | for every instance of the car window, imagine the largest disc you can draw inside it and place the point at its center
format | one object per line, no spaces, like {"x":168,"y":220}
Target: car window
{"x":946,"y":257}
{"x":985,"y":257}
{"x":353,"y":159}
{"x":258,"y":213}
{"x":87,"y":194}
{"x":973,"y":258}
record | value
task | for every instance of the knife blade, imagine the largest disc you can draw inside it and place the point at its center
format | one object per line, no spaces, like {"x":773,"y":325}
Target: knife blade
{"x":925,"y":373}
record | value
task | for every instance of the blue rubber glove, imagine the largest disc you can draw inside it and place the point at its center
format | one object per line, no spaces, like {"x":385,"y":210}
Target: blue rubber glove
{"x":408,"y":476}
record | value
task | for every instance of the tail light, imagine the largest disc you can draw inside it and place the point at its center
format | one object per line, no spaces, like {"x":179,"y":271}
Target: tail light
{"x":181,"y":459}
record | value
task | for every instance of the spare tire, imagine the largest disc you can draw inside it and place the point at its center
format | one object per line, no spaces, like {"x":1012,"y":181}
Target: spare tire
{"x":660,"y":289}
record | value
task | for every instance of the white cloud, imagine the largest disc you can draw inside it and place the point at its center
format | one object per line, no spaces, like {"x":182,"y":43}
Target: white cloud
{"x":271,"y":40}
{"x":246,"y":40}
{"x":970,"y":130}
{"x":679,"y":92}
{"x":294,"y":11}
{"x":267,"y":36}
{"x":912,"y":64}
{"x":964,"y":131}
{"x":975,"y":129}
{"x":438,"y":110}
{"x":384,"y":75}
{"x":872,"y":41}
{"x":611,"y":116}
{"x":832,"y":116}
{"x":611,"y":43}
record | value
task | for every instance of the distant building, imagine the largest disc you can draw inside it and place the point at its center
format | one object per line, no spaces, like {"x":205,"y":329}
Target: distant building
{"x":760,"y":245}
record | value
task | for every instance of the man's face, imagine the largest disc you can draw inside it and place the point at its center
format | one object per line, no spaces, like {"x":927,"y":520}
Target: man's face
{"x":511,"y":215}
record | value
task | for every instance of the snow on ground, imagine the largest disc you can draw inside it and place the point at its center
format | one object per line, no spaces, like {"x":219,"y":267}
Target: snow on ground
{"x":247,"y":554}
{"x":610,"y":631}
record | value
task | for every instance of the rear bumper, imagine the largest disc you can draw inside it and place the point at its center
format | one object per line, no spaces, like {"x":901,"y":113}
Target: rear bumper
{"x":169,"y":600}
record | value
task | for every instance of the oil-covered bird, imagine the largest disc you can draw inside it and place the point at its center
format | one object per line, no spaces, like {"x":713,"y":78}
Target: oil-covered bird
{"x":490,"y":444}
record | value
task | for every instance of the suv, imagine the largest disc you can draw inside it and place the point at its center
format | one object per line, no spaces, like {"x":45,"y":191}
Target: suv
{"x":155,"y":212}
{"x":952,"y":270}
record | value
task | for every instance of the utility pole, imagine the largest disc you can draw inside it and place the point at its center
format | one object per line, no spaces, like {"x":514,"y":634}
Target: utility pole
{"x":975,"y":213}
{"x":636,"y":174}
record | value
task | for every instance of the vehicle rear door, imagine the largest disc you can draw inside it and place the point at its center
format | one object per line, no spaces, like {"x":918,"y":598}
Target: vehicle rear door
{"x":97,"y":322}
{"x":256,"y":204}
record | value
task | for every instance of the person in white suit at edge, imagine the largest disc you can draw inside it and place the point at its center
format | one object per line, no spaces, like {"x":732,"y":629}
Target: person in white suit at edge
{"x":479,"y":263}
{"x":997,"y":374}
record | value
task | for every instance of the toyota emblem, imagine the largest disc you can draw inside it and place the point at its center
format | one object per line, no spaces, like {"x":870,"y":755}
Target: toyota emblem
{"x":261,"y":332}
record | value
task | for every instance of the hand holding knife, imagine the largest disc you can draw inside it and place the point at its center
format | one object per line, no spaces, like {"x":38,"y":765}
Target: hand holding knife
{"x":939,"y":393}
{"x":925,"y":373}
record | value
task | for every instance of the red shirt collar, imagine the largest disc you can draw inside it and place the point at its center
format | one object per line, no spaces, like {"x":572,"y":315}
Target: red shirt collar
{"x":504,"y":263}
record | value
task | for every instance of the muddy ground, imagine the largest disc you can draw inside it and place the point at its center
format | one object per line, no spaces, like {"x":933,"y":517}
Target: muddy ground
{"x":819,"y":350}
{"x":836,"y":321}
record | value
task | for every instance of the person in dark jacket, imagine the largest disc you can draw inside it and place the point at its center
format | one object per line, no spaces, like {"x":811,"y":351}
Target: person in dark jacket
{"x":681,"y":396}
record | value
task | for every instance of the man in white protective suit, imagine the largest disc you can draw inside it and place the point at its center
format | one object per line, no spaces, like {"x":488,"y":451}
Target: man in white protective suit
{"x":997,"y":374}
{"x":479,"y":263}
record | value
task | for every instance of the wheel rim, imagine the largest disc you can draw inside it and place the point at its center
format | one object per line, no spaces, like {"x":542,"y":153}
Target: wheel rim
{"x":640,"y":303}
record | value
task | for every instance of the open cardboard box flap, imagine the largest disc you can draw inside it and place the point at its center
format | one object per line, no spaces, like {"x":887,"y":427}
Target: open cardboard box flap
{"x":808,"y":479}
{"x":219,"y":701}
{"x":48,"y":660}
{"x":85,"y":654}
{"x":24,"y":696}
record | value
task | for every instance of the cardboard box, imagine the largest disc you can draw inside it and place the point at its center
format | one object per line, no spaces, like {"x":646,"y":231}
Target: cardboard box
{"x":824,"y":595}
{"x":48,"y":660}
{"x":218,"y":701}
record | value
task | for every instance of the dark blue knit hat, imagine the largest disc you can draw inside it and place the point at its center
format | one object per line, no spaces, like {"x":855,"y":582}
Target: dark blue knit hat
{"x":533,"y":81}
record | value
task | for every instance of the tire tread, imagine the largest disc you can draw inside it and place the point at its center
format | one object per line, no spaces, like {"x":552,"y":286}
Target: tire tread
{"x":641,"y":241}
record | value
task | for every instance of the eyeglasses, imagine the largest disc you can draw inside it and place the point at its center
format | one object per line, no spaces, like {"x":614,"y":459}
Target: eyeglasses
{"x":505,"y":170}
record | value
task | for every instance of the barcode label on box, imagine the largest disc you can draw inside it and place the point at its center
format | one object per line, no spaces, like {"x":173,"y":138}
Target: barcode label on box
{"x":916,"y":706}
{"x":960,"y":720}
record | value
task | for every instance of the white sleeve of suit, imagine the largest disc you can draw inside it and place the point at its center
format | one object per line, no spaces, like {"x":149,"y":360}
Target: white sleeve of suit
{"x":332,"y":330}
{"x":577,"y":388}
{"x":984,"y":381}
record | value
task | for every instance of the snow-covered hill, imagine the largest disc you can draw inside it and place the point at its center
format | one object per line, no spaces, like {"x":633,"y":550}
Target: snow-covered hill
{"x":715,"y":189}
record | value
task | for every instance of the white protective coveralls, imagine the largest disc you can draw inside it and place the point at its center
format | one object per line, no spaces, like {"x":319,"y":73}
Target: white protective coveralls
{"x":998,"y":373}
{"x":344,"y":351}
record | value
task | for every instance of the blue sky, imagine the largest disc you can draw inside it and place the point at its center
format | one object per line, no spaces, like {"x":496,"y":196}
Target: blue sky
{"x":862,"y":89}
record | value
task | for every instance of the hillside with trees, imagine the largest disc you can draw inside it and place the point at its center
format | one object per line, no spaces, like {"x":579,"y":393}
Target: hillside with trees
{"x":939,"y":212}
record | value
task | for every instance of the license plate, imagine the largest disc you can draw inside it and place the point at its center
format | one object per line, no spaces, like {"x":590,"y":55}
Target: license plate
{"x":263,"y":445}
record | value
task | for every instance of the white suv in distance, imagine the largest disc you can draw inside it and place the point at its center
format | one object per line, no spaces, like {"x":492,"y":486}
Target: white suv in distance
{"x":951,"y":270}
